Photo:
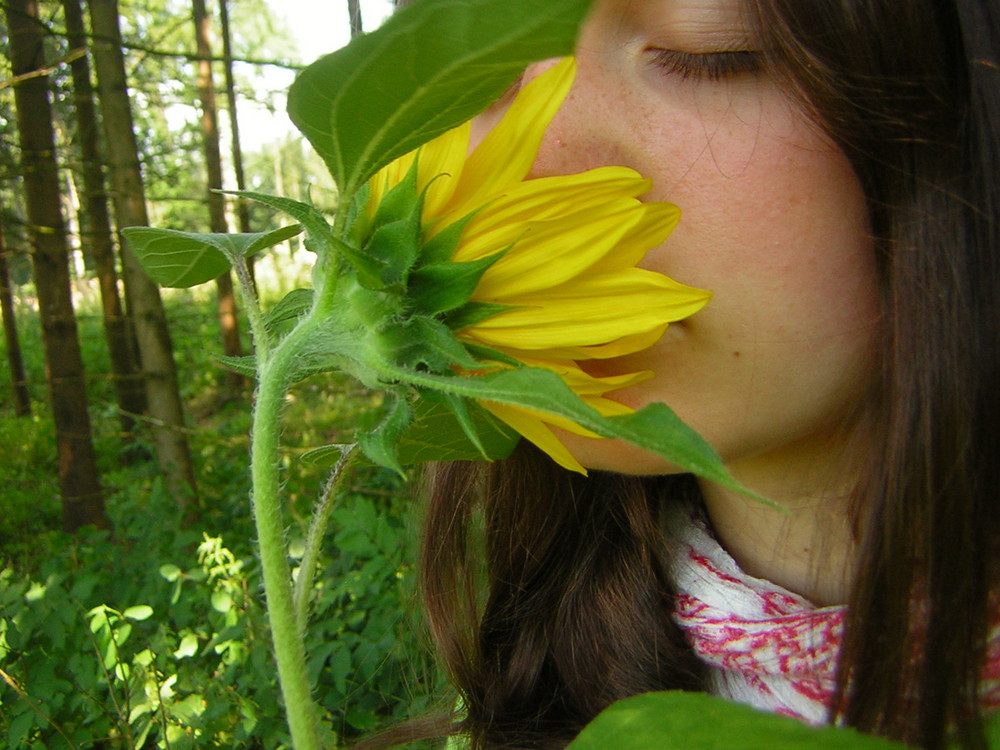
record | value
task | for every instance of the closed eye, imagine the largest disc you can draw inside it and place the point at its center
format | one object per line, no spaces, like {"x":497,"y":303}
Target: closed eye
{"x":713,"y":66}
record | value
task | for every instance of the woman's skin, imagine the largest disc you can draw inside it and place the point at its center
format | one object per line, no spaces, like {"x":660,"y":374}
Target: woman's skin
{"x":775,"y":370}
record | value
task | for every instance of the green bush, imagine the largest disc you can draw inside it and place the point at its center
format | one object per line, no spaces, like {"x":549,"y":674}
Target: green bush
{"x":152,"y":641}
{"x":155,"y":636}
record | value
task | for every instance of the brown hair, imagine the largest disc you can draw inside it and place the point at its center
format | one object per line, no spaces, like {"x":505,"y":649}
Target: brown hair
{"x":546,"y":593}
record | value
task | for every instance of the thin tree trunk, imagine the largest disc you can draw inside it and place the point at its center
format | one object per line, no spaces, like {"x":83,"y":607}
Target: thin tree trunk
{"x":242,"y":210}
{"x":142,"y":295}
{"x":216,"y":202}
{"x":130,"y":393}
{"x":354,"y":11}
{"x":82,"y":497}
{"x":18,"y":376}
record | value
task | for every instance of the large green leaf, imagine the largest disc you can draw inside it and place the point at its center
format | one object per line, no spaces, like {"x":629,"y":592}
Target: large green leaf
{"x":695,"y":721}
{"x":430,"y":67}
{"x":437,"y":434}
{"x":655,"y":427}
{"x":184,"y":259}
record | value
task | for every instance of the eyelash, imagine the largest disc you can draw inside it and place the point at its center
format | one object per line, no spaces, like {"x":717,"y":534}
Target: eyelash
{"x":713,"y":66}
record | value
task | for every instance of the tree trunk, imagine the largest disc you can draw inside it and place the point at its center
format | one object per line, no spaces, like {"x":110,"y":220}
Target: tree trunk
{"x":242,"y":210}
{"x":18,"y":377}
{"x":354,"y":11}
{"x":216,"y":201}
{"x":130,"y":393}
{"x":142,"y":295}
{"x":82,"y":497}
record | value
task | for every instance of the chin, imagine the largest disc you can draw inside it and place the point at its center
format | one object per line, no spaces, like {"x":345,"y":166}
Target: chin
{"x":617,"y":456}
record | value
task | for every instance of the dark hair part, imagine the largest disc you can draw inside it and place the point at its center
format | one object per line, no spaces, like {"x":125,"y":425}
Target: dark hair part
{"x":911,"y":93}
{"x":576,"y":609}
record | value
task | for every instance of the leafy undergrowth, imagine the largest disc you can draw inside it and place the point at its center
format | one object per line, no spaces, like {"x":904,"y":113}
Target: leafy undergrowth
{"x":155,"y":636}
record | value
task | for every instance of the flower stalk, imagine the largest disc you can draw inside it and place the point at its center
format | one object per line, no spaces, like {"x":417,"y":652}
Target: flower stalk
{"x":287,"y":628}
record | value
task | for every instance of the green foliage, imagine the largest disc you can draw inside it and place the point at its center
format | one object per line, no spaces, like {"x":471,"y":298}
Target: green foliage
{"x":695,"y":721}
{"x":198,"y":671}
{"x":156,"y":641}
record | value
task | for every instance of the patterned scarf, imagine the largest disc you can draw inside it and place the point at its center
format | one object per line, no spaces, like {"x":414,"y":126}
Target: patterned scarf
{"x":767,"y":647}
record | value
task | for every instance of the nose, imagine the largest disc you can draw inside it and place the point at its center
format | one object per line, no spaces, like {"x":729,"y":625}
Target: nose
{"x":591,"y":128}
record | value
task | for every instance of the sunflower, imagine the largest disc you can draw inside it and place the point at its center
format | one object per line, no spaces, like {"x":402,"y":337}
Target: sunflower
{"x":563,"y":283}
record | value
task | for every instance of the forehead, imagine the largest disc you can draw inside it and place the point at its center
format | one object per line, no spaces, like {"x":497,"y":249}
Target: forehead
{"x":684,"y":18}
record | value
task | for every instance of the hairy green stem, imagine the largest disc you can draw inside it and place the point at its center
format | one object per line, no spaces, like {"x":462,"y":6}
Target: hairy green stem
{"x":289,"y":650}
{"x":261,"y":336}
{"x":317,"y":529}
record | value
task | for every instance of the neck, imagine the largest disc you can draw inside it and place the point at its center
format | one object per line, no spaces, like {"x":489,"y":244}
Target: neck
{"x":809,"y":548}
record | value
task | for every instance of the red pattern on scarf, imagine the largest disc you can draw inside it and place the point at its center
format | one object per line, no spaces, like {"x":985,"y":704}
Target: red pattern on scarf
{"x":768,"y":647}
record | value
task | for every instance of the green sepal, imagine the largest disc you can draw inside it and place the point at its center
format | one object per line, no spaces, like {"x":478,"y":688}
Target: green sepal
{"x":368,"y":269}
{"x":678,"y":720}
{"x":375,"y":309}
{"x":396,"y":234}
{"x":485,"y":355}
{"x":379,"y":445}
{"x":397,"y":204}
{"x":437,"y":435}
{"x":441,"y":248}
{"x":474,"y":312}
{"x":185,"y":259}
{"x":423,"y":342}
{"x":357,"y":225}
{"x":442,"y":287}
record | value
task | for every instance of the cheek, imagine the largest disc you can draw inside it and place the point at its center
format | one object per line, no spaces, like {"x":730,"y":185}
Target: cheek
{"x":773,"y":217}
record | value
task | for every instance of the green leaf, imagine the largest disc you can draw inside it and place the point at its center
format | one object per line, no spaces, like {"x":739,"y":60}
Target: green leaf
{"x":462,"y":409}
{"x":325,"y":455}
{"x":290,"y":308}
{"x":437,"y":435}
{"x":380,"y":445}
{"x":430,"y":67}
{"x":139,"y":612}
{"x":243,"y":365}
{"x":311,"y":219}
{"x":185,"y":259}
{"x":696,"y":721}
{"x":655,"y":428}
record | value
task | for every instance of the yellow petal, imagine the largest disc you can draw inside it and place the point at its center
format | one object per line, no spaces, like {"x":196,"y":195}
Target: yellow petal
{"x":507,"y":152}
{"x":657,"y":223}
{"x":441,"y":163}
{"x":550,"y":197}
{"x":387,"y":178}
{"x":590,"y":311}
{"x":552,"y":253}
{"x":528,"y":425}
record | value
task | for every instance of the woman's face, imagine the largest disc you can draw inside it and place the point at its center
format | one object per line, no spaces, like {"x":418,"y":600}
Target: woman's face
{"x":773,"y":222}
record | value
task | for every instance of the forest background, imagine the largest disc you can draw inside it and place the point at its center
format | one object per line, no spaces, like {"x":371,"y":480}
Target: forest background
{"x":130,"y":597}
